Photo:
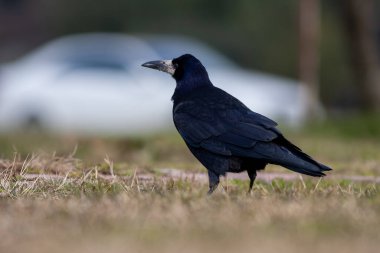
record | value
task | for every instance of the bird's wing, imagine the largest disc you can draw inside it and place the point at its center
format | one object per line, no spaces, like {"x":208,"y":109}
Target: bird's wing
{"x":218,"y":125}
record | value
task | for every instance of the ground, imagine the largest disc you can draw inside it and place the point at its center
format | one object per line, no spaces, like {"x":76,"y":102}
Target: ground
{"x":98,"y":195}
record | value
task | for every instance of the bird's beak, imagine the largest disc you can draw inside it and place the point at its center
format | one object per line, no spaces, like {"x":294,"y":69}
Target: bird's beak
{"x":165,"y":66}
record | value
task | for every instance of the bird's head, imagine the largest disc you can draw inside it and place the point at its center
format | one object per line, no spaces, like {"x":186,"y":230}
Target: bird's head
{"x":187,"y":70}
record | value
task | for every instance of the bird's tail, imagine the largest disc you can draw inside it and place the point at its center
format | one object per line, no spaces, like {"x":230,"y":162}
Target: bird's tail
{"x":302,"y":163}
{"x":291,"y":157}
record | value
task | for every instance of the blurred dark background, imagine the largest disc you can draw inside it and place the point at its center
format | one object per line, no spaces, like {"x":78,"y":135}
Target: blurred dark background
{"x":262,"y":35}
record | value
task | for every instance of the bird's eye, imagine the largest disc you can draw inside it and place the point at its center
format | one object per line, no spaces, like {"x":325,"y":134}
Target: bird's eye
{"x":175,"y":65}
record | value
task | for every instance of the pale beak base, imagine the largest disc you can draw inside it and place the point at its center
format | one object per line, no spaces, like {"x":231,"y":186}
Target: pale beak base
{"x":165,"y":66}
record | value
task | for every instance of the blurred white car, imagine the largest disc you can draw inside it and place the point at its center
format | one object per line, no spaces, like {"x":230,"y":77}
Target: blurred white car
{"x":94,"y":84}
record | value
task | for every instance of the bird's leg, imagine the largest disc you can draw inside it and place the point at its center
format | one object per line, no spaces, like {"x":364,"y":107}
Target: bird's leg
{"x":252,"y":177}
{"x":212,"y":189}
{"x":213,"y":181}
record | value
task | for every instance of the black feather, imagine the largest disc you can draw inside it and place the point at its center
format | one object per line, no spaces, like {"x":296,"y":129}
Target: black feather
{"x":224,"y":134}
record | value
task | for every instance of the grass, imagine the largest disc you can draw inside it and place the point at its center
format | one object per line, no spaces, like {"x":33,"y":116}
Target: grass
{"x":89,"y":214}
{"x":97,"y":203}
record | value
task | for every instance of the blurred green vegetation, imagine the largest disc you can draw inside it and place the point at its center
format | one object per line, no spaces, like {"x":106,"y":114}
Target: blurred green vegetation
{"x":354,"y":126}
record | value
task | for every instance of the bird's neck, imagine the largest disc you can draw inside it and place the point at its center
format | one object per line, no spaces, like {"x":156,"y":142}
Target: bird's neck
{"x":187,"y":85}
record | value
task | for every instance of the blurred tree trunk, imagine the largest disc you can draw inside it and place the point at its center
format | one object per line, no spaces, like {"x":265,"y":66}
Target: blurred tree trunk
{"x":309,"y":26}
{"x":360,"y":26}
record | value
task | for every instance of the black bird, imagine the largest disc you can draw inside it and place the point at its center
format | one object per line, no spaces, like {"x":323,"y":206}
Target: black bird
{"x":224,"y":134}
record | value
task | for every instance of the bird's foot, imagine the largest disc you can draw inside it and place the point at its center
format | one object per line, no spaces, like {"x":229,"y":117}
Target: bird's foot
{"x":250,"y":192}
{"x":211,"y":189}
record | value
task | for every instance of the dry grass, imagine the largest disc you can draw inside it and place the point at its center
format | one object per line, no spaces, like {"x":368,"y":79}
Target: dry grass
{"x":84,"y":212}
{"x":97,"y":202}
{"x":172,"y":217}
